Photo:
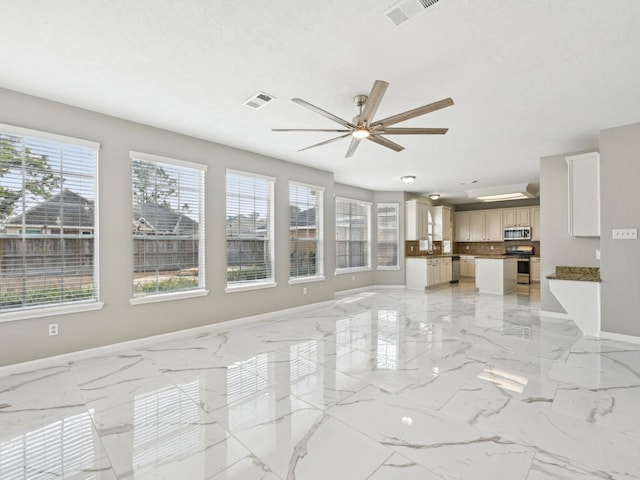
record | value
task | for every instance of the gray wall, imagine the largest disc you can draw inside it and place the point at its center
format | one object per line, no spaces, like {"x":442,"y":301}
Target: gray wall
{"x":119,"y":321}
{"x":619,"y":202}
{"x":558,"y":247}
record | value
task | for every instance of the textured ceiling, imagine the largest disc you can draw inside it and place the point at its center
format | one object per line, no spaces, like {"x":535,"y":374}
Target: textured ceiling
{"x":529,"y":78}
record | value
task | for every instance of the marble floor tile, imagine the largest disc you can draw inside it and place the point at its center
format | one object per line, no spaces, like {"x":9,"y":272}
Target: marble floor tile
{"x":380,"y":384}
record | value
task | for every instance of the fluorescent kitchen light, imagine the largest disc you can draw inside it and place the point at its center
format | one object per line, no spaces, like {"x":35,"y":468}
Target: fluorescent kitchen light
{"x":500,"y":194}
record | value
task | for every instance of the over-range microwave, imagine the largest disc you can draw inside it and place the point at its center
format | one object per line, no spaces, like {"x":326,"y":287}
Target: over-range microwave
{"x":517,"y":233}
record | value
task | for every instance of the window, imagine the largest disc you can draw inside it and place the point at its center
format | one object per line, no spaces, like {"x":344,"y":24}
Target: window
{"x":167,"y":227}
{"x":48,"y":223}
{"x":388,"y":236}
{"x":306,"y":244}
{"x":353,"y":234}
{"x":250,"y":231}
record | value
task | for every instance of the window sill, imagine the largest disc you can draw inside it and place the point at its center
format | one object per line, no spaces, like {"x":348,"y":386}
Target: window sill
{"x":353,"y":270}
{"x":251,"y":286}
{"x":315,"y":278}
{"x":389,"y":268}
{"x":167,"y":297}
{"x":37,"y":312}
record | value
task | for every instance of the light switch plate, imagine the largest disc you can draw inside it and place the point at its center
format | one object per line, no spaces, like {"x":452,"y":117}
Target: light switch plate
{"x":625,"y":233}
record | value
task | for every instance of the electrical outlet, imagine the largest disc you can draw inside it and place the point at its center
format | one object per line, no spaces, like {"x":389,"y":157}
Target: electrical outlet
{"x":353,"y":278}
{"x":467,"y":247}
{"x":625,"y":234}
{"x":53,"y":329}
{"x":491,"y":247}
{"x":304,"y":290}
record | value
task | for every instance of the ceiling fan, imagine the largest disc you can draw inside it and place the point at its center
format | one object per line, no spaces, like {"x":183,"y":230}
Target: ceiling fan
{"x":364,"y":128}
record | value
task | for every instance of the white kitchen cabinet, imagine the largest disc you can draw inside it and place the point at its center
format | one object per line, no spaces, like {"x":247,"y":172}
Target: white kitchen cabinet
{"x":535,"y":269}
{"x":493,"y":225}
{"x":441,"y":223}
{"x":477,"y":226}
{"x":424,"y":272}
{"x":535,"y":223}
{"x":463,"y":227}
{"x":516,"y":217}
{"x":416,"y":220}
{"x":445,"y":270}
{"x":467,"y":266}
{"x":584,"y":194}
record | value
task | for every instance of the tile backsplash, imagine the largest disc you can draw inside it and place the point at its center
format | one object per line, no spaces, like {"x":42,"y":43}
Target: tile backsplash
{"x":484,"y":248}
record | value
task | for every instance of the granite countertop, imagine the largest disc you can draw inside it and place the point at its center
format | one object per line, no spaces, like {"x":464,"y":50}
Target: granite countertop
{"x":431,"y":255}
{"x":493,"y":257}
{"x":582,"y":274}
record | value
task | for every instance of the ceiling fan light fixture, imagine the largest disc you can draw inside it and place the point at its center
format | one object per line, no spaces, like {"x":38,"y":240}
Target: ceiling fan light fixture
{"x":360,"y":133}
{"x":408,"y":178}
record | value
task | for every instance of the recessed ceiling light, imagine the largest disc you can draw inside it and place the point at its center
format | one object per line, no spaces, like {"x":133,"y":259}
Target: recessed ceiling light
{"x":408,"y":178}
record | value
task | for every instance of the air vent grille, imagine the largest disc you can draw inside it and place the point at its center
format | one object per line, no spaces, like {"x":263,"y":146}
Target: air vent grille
{"x":406,"y":9}
{"x":258,"y":100}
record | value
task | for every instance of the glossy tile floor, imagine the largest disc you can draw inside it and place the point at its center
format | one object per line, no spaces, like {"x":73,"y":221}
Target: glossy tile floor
{"x":383,"y":384}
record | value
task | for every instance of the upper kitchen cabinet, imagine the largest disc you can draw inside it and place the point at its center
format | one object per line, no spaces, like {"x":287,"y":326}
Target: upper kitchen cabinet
{"x":441,"y":223}
{"x":516,"y":217}
{"x":463,"y":227}
{"x":535,"y":223}
{"x":493,"y":225}
{"x":584,"y":194}
{"x":479,"y":226}
{"x":417,"y":220}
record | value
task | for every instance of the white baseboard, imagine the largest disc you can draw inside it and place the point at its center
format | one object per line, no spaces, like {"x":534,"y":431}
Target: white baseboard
{"x":59,"y":360}
{"x":547,"y":313}
{"x":620,"y":337}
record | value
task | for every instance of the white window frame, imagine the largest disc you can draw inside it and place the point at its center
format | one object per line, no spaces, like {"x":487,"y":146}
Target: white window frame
{"x":396,"y":206}
{"x":367,"y":205}
{"x":200,"y":290}
{"x":319,"y":276}
{"x":71,"y":307}
{"x":262,"y":283}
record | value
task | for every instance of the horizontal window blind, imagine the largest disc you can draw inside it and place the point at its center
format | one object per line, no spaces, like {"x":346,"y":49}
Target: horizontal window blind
{"x":353,"y":234}
{"x":306,"y":230}
{"x":48,"y":220}
{"x":250,"y":228}
{"x":168,"y":225}
{"x":388,"y":234}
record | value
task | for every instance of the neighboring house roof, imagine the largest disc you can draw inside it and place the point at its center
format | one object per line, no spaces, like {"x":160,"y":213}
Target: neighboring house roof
{"x":246,"y":225}
{"x":162,"y":220}
{"x":66,"y":209}
{"x":303,"y":218}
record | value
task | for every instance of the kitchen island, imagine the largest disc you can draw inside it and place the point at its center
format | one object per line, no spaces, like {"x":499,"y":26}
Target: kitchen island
{"x":497,"y":274}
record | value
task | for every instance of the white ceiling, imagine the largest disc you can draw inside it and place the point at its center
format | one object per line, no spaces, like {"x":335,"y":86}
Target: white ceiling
{"x":529,"y":78}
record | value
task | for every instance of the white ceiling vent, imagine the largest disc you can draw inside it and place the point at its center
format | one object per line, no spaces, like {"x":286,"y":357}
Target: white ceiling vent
{"x":406,"y":9}
{"x":258,"y":100}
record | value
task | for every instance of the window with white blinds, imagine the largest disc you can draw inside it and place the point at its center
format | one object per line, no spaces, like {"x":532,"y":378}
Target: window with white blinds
{"x":167,"y":225}
{"x":306,"y":231}
{"x":48,"y":221}
{"x":353,"y":235}
{"x":388,"y":235}
{"x":250,"y":229}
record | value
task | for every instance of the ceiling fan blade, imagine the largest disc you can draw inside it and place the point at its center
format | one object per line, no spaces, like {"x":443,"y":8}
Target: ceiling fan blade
{"x":412,"y":131}
{"x":416,"y":112}
{"x":385,"y":142}
{"x":325,"y":142}
{"x":308,"y":130}
{"x":352,"y":147}
{"x":322,"y":112}
{"x":372,"y":103}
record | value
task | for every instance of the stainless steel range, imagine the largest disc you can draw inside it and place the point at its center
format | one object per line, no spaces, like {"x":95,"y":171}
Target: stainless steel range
{"x":523,"y":252}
